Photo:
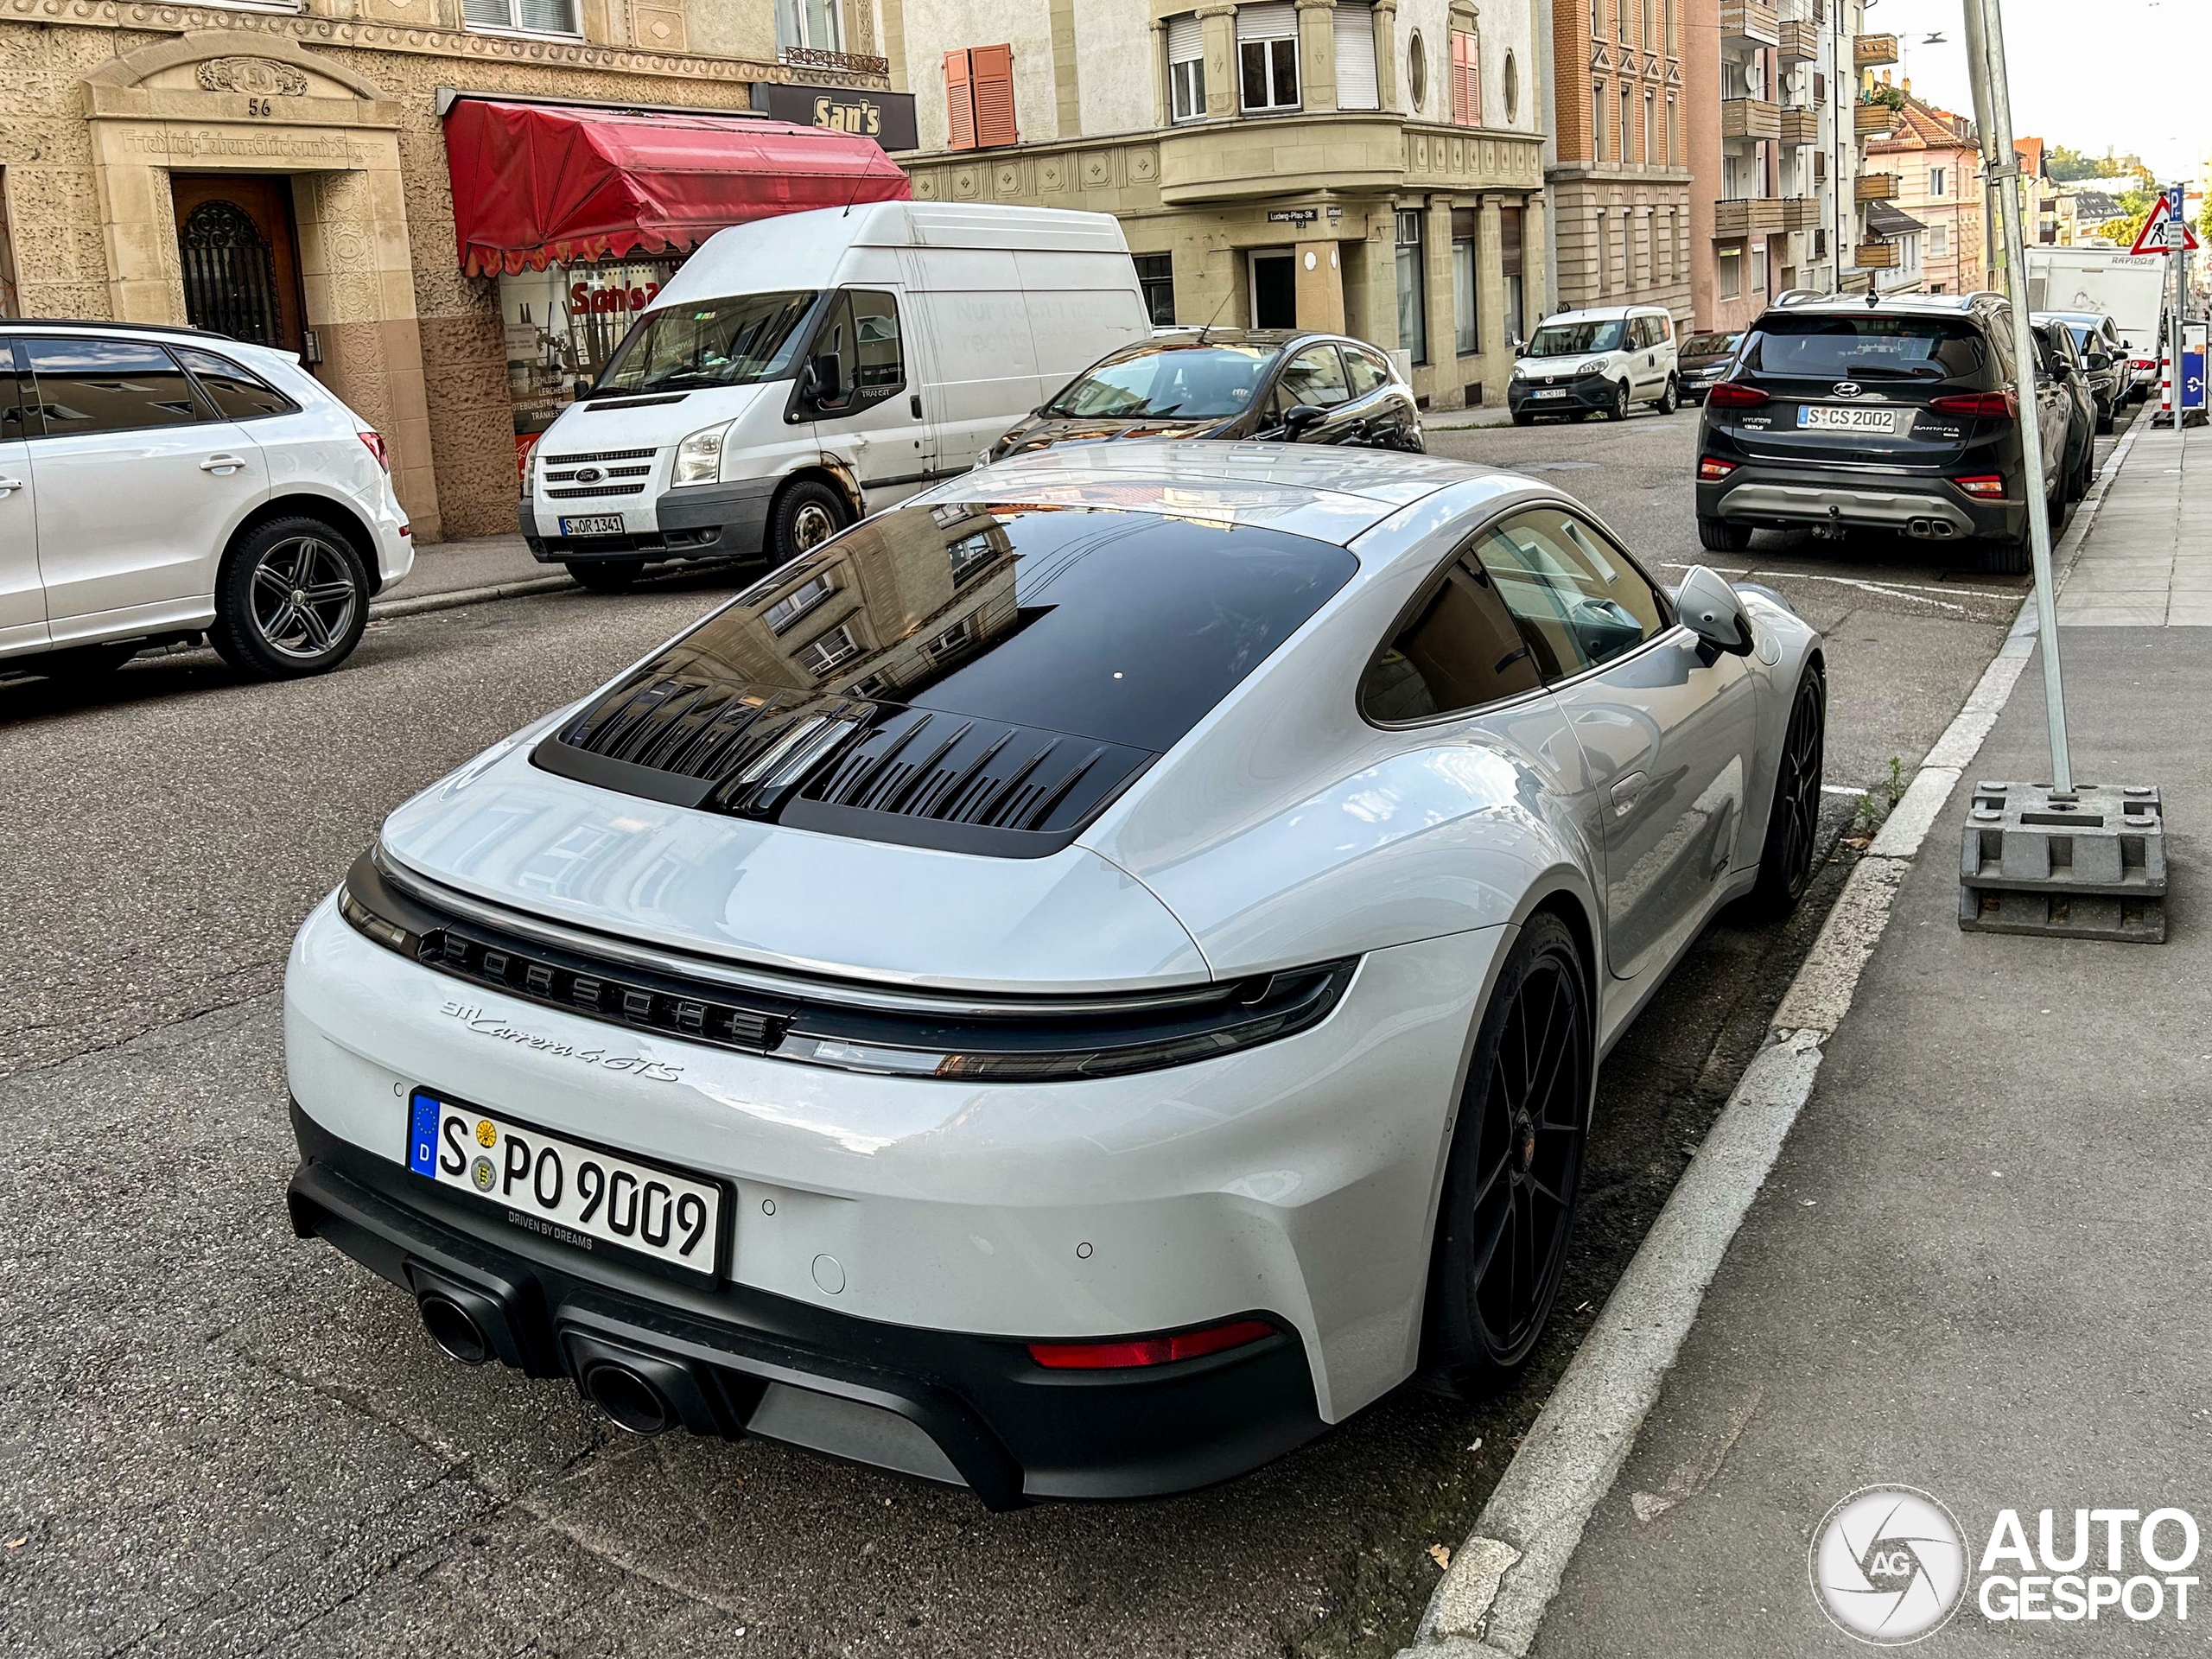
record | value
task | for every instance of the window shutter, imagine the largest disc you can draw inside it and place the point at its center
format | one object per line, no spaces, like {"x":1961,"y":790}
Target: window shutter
{"x":959,"y":102}
{"x":547,"y":16}
{"x":1356,"y":81}
{"x":1466,"y":78}
{"x":992,"y":69}
{"x":486,"y":14}
{"x":1186,"y":41}
{"x":1275,"y":21}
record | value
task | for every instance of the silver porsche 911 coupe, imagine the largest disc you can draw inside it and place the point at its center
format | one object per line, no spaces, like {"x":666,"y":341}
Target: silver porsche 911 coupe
{"x":1070,"y":987}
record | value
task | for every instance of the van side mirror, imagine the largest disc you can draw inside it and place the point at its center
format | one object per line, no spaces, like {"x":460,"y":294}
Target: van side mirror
{"x":581,"y":390}
{"x":1710,"y":608}
{"x":1299,"y":416}
{"x":829,"y":378}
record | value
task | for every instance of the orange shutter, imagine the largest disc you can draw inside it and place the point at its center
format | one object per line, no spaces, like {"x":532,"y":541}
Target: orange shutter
{"x":994,"y":83}
{"x":1466,"y":78}
{"x":959,"y":102}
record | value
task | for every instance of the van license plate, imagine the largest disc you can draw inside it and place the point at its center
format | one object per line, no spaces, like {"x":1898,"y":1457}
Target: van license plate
{"x":604,"y":524}
{"x":1824,"y":418}
{"x":578,"y":1195}
{"x":1551,"y":394}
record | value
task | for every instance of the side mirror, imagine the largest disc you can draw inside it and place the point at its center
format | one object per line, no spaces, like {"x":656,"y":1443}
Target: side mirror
{"x":1520,"y":348}
{"x":1299,"y":416}
{"x":2060,"y":369}
{"x":1709,"y":608}
{"x":2097,"y":362}
{"x":581,"y":390}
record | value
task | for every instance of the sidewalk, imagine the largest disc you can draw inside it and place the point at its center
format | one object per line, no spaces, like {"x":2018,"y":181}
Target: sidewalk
{"x":1982,"y":1264}
{"x":458,"y":567}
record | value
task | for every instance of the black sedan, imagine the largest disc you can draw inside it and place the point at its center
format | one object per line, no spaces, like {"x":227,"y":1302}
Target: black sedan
{"x":1292,"y":385}
{"x":1703,"y":360}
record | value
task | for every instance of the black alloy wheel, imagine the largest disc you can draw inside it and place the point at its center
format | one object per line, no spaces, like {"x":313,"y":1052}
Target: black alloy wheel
{"x":1793,"y":824}
{"x":1619,"y":412}
{"x":1515,"y":1169}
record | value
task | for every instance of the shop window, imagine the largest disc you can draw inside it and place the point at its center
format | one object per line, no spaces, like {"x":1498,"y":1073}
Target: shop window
{"x":1467,"y":337}
{"x":1187,"y":67}
{"x":1156,"y":277}
{"x":816,"y":25}
{"x":1730,"y":265}
{"x":562,"y":325}
{"x":979,"y":97}
{"x":1267,"y":56}
{"x":1357,"y":87}
{"x":1412,"y":286}
{"x":524,"y":17}
{"x":1466,"y":78}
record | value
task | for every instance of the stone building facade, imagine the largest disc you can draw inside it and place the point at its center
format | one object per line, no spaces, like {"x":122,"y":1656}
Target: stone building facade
{"x":1620,"y":188}
{"x":1374,"y":167}
{"x":114,"y":113}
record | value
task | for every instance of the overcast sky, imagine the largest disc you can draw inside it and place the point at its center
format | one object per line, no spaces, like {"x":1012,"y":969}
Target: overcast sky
{"x":2087,"y":73}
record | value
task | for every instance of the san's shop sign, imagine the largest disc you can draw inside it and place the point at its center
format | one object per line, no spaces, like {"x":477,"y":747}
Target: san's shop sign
{"x":888,"y":117}
{"x":585,"y":298}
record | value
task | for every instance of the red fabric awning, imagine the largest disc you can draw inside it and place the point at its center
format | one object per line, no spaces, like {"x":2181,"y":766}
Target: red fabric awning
{"x":537,"y":185}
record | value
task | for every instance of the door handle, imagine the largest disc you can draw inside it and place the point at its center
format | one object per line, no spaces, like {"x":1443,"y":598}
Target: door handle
{"x":221,"y":464}
{"x":914,"y":403}
{"x":1622,"y":792}
{"x":9,"y":485}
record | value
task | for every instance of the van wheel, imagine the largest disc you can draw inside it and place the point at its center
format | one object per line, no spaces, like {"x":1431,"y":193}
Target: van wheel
{"x":807,"y":515}
{"x":1722,"y":535}
{"x":603,"y":578}
{"x":1670,"y":399}
{"x":1619,"y":412}
{"x":292,"y":600}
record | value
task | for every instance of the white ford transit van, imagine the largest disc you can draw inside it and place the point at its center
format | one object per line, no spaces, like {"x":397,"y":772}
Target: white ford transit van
{"x":798,"y":373}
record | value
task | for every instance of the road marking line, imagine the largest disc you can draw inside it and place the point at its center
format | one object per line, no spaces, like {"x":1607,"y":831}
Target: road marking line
{"x":1901,"y":589}
{"x":1503,"y":1577}
{"x":1843,"y":789}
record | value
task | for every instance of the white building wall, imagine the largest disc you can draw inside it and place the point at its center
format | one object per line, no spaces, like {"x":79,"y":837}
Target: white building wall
{"x":1504,"y":26}
{"x":933,"y":26}
{"x":1115,"y":73}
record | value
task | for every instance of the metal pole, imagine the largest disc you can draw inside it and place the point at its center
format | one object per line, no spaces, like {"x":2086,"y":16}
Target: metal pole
{"x":1986,"y":62}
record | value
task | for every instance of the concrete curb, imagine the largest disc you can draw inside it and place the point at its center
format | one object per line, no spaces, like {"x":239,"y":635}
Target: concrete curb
{"x":417,"y":605}
{"x":1503,"y":1577}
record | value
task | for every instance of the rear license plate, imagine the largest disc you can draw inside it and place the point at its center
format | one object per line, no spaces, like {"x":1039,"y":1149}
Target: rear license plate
{"x":578,"y":1195}
{"x":599,"y":524}
{"x":1824,"y":418}
{"x":1551,"y":394}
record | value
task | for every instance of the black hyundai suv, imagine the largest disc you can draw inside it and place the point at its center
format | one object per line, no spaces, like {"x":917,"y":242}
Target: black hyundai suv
{"x":1896,"y":414}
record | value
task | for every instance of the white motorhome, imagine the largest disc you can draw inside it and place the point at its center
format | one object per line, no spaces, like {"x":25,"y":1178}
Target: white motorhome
{"x":2129,"y":287}
{"x":799,"y":373}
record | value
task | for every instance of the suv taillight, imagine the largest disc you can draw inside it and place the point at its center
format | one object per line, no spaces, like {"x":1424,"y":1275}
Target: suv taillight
{"x":1733,"y":394}
{"x":1711,"y":469}
{"x":1984,"y":405}
{"x":1987,"y":486}
{"x":374,"y":443}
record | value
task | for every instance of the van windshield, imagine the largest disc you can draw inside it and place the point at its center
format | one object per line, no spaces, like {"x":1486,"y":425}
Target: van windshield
{"x":1867,"y":348}
{"x":1570,"y":339}
{"x":732,"y":342}
{"x":1152,"y":382}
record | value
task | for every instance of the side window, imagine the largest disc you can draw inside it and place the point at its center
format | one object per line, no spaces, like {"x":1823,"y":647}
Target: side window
{"x":1579,"y":600}
{"x":1367,"y":374}
{"x":238,"y":395}
{"x":856,"y":354}
{"x":108,"y":385}
{"x":1315,"y":376}
{"x":1459,"y":650}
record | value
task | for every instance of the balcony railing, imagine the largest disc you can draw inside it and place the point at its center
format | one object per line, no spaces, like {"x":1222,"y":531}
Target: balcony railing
{"x":1869,"y":120}
{"x":1749,"y":118}
{"x":849,"y":63}
{"x":1800,"y":40}
{"x":1744,"y":215}
{"x":1875,"y":187}
{"x":1748,"y":20}
{"x":1876,"y":256}
{"x":1800,"y":213}
{"x":1801,"y":125}
{"x":1868,"y":51}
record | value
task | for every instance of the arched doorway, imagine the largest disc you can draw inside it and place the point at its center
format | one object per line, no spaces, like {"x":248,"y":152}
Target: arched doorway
{"x":239,"y":253}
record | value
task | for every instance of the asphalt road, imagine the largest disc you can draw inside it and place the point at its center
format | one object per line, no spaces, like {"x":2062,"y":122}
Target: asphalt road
{"x":216,"y":1439}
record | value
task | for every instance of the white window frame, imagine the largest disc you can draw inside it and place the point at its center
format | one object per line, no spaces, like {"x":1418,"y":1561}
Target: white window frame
{"x":517,"y":31}
{"x":796,"y":8}
{"x":821,"y":655}
{"x":1250,"y":33}
{"x":792,"y":605}
{"x":1186,"y":75}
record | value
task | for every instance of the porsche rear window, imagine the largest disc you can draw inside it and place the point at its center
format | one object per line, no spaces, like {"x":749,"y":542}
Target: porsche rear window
{"x":1121,"y":627}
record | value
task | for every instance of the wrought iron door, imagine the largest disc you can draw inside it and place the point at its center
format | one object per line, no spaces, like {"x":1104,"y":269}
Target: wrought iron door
{"x":230,"y":274}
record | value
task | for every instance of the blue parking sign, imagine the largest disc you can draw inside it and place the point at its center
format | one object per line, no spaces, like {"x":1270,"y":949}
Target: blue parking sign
{"x":2192,"y":378}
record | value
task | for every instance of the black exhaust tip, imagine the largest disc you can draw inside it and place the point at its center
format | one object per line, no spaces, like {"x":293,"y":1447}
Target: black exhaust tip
{"x":633,"y":1401}
{"x":454,"y":1329}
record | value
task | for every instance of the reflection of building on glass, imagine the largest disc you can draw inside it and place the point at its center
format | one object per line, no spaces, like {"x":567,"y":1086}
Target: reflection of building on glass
{"x":881,"y":614}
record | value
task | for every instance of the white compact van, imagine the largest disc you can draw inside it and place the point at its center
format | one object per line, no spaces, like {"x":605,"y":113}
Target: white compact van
{"x":800,"y":371}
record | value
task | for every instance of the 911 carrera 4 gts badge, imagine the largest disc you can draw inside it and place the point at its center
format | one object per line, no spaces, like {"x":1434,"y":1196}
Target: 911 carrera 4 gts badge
{"x":491,"y":1024}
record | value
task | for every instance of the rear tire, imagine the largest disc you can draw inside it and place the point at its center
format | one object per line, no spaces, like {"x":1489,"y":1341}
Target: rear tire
{"x":1722,"y":535}
{"x":292,"y":600}
{"x":2008,"y":555}
{"x":606,"y":578}
{"x":1793,"y":821}
{"x":806,"y":515}
{"x":1515,"y":1167}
